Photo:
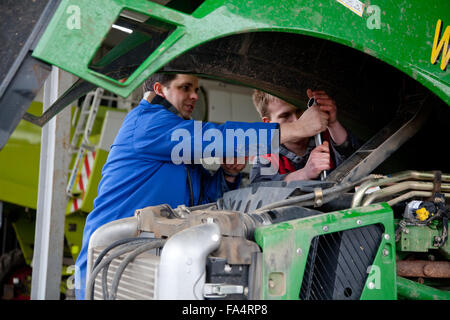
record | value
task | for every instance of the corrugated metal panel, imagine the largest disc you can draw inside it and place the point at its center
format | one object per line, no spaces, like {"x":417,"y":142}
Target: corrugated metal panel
{"x":337,"y":265}
{"x":138,"y":281}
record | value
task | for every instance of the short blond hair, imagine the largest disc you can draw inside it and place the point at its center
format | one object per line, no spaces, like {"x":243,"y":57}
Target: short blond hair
{"x":261,"y":101}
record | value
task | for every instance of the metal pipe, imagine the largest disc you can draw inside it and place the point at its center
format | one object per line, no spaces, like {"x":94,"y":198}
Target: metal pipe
{"x":423,"y":269}
{"x":415,"y":185}
{"x":412,"y":194}
{"x":429,"y":176}
{"x":328,"y":194}
{"x":416,"y":291}
{"x":182,"y":266}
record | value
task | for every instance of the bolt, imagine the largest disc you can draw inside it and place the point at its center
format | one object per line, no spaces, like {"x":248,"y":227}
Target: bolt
{"x":385,"y":252}
{"x":386,"y":236}
{"x":299,"y":251}
{"x":358,"y":222}
{"x":325,"y":228}
{"x":271,"y":284}
{"x":371,"y":285}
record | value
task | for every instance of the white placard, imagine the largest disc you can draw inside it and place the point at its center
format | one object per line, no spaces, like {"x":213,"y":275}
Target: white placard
{"x":354,"y":5}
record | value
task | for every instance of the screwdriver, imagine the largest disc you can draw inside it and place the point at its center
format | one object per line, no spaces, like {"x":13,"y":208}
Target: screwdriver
{"x":317,"y":137}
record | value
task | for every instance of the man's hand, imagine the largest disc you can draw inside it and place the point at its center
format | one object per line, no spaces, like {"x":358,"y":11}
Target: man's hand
{"x":318,"y":161}
{"x":310,"y":123}
{"x":313,"y":121}
{"x":326,"y":104}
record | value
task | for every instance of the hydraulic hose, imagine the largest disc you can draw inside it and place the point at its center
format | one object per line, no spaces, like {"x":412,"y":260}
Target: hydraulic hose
{"x":328,"y":195}
{"x":127,"y":247}
{"x":131,"y":256}
{"x":428,"y":176}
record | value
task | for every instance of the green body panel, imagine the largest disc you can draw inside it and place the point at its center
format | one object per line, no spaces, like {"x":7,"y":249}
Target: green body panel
{"x":19,"y":163}
{"x":87,"y":199}
{"x":415,"y":291}
{"x":404,"y":40}
{"x":284,"y":267}
{"x":73,"y":232}
{"x":420,"y":239}
{"x":19,"y":178}
{"x":96,"y":175}
{"x":24,"y":227}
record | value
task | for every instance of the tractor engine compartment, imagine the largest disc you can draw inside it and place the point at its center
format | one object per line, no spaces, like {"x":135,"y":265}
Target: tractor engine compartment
{"x":376,"y":238}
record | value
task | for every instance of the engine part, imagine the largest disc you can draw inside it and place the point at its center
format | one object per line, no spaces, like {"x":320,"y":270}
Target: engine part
{"x":423,"y":269}
{"x":286,"y":254}
{"x":133,"y":247}
{"x":138,"y":281}
{"x":402,"y":186}
{"x":183,"y":260}
{"x":389,"y":180}
{"x":224,"y":280}
{"x":416,"y":291}
{"x":107,"y":234}
{"x":328,"y":273}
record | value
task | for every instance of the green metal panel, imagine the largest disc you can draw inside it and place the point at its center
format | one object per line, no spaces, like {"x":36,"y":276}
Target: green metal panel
{"x":92,"y":187}
{"x":24,"y":227}
{"x":420,"y":239}
{"x":19,"y":163}
{"x":286,"y":245}
{"x":404,"y":39}
{"x":415,"y":291}
{"x":73,"y":232}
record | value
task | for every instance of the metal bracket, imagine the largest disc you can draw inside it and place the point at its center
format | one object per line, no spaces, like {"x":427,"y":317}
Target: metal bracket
{"x":369,"y":156}
{"x":318,"y":197}
{"x":221,"y":290}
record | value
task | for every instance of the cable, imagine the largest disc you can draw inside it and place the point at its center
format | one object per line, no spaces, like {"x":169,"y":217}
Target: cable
{"x":106,"y":250}
{"x":112,"y":246}
{"x":131,"y":256}
{"x":330,"y":193}
{"x":128,"y":246}
{"x":106,"y":267}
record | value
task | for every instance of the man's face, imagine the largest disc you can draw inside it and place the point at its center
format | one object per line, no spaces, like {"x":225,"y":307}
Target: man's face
{"x":281,"y":112}
{"x":182,"y":93}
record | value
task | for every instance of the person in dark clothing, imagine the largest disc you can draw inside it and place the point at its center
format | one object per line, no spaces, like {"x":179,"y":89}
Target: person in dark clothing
{"x":301,"y":159}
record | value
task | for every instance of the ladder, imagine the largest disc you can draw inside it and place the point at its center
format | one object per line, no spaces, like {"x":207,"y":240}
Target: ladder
{"x":84,"y":126}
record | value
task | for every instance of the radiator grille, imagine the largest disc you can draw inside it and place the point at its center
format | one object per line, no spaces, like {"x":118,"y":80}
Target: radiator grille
{"x":337,"y":264}
{"x":138,"y":281}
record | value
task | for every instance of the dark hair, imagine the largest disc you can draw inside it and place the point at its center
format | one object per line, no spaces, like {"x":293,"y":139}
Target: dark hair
{"x":163,"y":78}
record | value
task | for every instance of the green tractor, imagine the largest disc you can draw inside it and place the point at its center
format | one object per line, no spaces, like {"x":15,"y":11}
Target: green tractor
{"x":19,"y":161}
{"x":376,"y":228}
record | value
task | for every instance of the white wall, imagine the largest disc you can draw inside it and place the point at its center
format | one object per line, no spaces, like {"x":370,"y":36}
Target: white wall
{"x":228,"y":102}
